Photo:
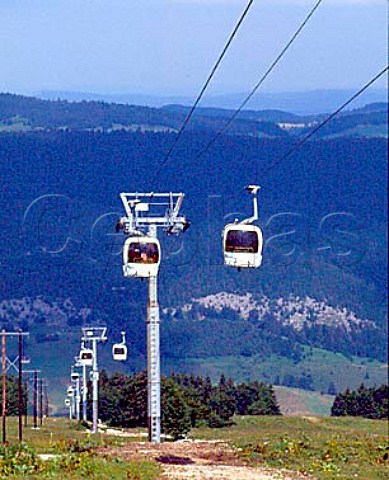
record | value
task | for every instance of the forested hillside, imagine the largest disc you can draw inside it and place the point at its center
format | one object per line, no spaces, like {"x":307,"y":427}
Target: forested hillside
{"x":18,"y":113}
{"x":323,"y":211}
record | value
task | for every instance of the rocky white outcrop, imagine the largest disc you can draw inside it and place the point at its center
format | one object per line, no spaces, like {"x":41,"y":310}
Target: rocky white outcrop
{"x":294,"y":311}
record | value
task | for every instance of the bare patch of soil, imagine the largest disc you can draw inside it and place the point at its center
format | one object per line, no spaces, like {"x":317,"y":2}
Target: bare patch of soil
{"x":312,"y":419}
{"x":224,"y":472}
{"x":199,"y":460}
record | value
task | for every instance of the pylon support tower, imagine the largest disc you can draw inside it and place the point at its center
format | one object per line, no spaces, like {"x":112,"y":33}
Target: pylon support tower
{"x":153,"y":359}
{"x":94,"y":335}
{"x":146,"y":212}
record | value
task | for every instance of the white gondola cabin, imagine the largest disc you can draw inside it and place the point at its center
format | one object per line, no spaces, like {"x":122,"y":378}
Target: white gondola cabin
{"x":86,"y":357}
{"x":242,"y":245}
{"x":243,"y":241}
{"x":141,"y":257}
{"x":119,"y":350}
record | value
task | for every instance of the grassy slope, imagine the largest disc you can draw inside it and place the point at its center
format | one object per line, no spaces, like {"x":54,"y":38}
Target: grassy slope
{"x":325,"y":367}
{"x":328,"y":448}
{"x":363,"y":131}
{"x":72,"y":449}
{"x":293,"y":401}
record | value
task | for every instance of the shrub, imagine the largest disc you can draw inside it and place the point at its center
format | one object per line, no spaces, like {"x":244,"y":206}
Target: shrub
{"x":17,"y":460}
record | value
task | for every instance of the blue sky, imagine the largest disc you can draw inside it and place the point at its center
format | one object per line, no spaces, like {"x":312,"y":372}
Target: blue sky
{"x":169,"y":46}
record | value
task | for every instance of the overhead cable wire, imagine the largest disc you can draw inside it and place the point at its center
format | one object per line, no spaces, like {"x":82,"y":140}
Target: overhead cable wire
{"x":261,"y":80}
{"x":205,"y":86}
{"x":328,"y":119}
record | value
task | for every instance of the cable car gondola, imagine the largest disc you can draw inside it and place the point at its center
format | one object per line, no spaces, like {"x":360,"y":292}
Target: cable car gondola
{"x":119,"y":350}
{"x":86,"y":357}
{"x":243,"y":241}
{"x":25,"y":360}
{"x":242,"y":245}
{"x":141,"y":256}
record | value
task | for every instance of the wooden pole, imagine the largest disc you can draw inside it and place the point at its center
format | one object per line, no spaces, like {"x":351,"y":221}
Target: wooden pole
{"x":20,"y":390}
{"x":35,"y":399}
{"x":46,"y":401}
{"x":40,"y":401}
{"x":4,"y":383}
{"x":26,"y":404}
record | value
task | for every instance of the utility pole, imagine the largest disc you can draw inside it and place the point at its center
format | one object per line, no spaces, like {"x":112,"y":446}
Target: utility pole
{"x":34,"y":395}
{"x":46,"y":400}
{"x":95,"y":388}
{"x":20,"y":389}
{"x":145,"y":213}
{"x":4,"y":383}
{"x":40,"y":401}
{"x":26,"y":405}
{"x":35,"y":400}
{"x":17,"y":364}
{"x":94,"y":335}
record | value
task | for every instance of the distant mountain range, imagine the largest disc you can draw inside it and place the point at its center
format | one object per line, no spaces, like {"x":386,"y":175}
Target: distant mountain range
{"x":30,"y":114}
{"x":300,"y":103}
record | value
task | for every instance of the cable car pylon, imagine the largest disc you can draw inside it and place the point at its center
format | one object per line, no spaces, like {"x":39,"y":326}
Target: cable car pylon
{"x":145,"y":213}
{"x":243,"y":241}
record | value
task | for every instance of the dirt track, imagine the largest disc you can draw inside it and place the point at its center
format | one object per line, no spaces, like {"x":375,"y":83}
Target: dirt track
{"x":199,"y":460}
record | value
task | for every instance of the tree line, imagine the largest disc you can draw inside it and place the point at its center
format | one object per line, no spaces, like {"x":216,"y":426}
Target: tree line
{"x":363,"y":402}
{"x":12,"y":397}
{"x":187,"y":401}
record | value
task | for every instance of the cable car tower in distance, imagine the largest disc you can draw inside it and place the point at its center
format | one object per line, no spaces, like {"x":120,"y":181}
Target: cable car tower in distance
{"x":145,"y":213}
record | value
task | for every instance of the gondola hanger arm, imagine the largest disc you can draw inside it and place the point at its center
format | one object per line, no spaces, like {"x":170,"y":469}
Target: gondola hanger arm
{"x":253,"y":189}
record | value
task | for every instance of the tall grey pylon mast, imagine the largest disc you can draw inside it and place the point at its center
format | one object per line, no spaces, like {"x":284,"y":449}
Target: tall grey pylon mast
{"x":145,"y":213}
{"x":94,"y":335}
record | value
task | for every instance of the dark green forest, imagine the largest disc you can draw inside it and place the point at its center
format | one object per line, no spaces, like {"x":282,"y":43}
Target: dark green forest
{"x":323,"y":211}
{"x":12,"y":398}
{"x":363,"y":402}
{"x":187,"y":401}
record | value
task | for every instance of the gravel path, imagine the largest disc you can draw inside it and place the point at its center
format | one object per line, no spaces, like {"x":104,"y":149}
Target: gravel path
{"x":199,"y":460}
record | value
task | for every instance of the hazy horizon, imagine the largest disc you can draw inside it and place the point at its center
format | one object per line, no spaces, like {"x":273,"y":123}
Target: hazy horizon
{"x":169,"y":48}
